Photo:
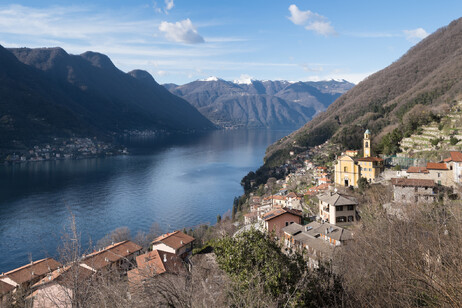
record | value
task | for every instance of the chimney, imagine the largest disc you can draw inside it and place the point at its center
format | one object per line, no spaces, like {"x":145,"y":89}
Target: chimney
{"x":165,"y":258}
{"x":181,"y":242}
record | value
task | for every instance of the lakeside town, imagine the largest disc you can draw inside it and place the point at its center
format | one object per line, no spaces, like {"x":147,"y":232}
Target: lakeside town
{"x":61,"y":149}
{"x":314,"y":211}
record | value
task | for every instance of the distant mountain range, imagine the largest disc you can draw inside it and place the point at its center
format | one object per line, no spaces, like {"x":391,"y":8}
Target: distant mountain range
{"x":392,"y":103}
{"x":260,"y":104}
{"x":47,"y":92}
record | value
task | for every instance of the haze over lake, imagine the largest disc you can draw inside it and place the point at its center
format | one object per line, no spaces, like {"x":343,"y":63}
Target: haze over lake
{"x":177,"y":181}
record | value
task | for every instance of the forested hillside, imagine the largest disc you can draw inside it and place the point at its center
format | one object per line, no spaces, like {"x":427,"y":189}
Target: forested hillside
{"x":260,"y":104}
{"x":48,"y":93}
{"x":393,"y":102}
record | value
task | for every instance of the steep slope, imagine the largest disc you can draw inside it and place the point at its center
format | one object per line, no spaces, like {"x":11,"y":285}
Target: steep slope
{"x":108,"y":98}
{"x":32,"y":108}
{"x":257,"y":104}
{"x":393,"y":102}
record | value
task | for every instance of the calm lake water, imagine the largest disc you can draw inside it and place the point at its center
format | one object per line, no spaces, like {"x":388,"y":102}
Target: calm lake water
{"x":179,"y":181}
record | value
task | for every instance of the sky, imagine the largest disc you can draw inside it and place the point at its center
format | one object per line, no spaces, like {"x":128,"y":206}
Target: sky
{"x":179,"y":41}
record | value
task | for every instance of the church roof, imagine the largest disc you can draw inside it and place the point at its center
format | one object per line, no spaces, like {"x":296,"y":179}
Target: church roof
{"x":368,"y":131}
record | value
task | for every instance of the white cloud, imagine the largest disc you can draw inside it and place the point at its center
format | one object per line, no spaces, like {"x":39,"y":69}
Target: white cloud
{"x":161,"y":73}
{"x":415,"y":35}
{"x":169,"y":5}
{"x":181,"y":31}
{"x":311,"y":21}
{"x":321,"y":27}
{"x":298,"y":17}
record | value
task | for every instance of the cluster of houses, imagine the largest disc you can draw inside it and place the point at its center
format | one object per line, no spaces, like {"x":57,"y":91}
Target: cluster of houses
{"x":64,"y":149}
{"x":47,"y":282}
{"x":317,"y":237}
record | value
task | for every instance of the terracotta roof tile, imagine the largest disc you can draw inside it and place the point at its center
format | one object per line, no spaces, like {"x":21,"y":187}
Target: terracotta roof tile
{"x":413,"y":169}
{"x":278,"y":212}
{"x":33,"y":270}
{"x":111,"y":254}
{"x":455,"y":156}
{"x":175,"y":239}
{"x":437,"y":166}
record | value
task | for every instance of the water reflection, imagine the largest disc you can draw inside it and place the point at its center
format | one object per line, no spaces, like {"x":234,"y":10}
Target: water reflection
{"x":178,"y":181}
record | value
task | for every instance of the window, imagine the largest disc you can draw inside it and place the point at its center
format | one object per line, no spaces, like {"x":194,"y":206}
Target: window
{"x":415,"y":189}
{"x":351,"y":207}
{"x":439,"y":174}
{"x":287,"y":223}
{"x":345,"y":169}
{"x":341,"y":219}
{"x":416,"y":198}
{"x":439,"y":182}
{"x":403,"y":197}
{"x":367,"y":144}
{"x":339,"y":208}
{"x":350,"y":218}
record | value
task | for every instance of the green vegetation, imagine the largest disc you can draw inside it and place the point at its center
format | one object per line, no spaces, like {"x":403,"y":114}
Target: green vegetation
{"x":259,"y":269}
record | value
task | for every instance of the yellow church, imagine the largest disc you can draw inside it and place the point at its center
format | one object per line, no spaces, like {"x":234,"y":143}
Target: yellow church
{"x":349,"y":170}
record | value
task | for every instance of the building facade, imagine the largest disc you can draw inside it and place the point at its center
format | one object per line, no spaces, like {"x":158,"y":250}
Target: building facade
{"x":349,"y":170}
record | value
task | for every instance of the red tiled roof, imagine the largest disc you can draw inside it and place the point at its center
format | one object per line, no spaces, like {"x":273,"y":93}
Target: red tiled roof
{"x":455,"y":156}
{"x":111,"y":254}
{"x":437,"y":166}
{"x":278,"y":212}
{"x":153,"y":263}
{"x":412,"y":182}
{"x":175,"y":239}
{"x":66,"y":275}
{"x":33,"y":270}
{"x":417,"y":170}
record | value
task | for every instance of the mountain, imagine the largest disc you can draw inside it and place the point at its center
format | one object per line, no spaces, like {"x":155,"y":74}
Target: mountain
{"x":392,"y":103}
{"x":259,"y":104}
{"x":47,"y":92}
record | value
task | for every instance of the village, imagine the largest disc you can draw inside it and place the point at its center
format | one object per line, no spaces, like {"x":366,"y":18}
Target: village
{"x":60,"y":149}
{"x":313,"y":210}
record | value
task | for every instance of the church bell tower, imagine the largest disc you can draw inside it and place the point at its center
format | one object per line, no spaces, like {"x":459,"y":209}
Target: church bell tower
{"x":367,"y":144}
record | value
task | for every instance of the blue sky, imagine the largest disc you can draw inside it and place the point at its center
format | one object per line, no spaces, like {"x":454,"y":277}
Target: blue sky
{"x":183,"y":40}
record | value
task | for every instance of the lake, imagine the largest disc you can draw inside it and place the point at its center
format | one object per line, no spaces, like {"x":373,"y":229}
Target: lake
{"x":176,"y":181}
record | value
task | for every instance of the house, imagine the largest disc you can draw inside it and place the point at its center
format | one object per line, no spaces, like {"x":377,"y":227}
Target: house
{"x":119,"y":256}
{"x":413,"y":190}
{"x":176,"y":242}
{"x":455,"y":164}
{"x":277,"y":219}
{"x":317,"y":240}
{"x":293,"y":200}
{"x":332,"y":234}
{"x":290,"y":231}
{"x":152,"y":264}
{"x":337,"y":208}
{"x":250,"y":218}
{"x":348,"y":170}
{"x":319,"y":171}
{"x":57,"y":287}
{"x":25,"y":276}
{"x":316,"y":250}
{"x":440,"y":173}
